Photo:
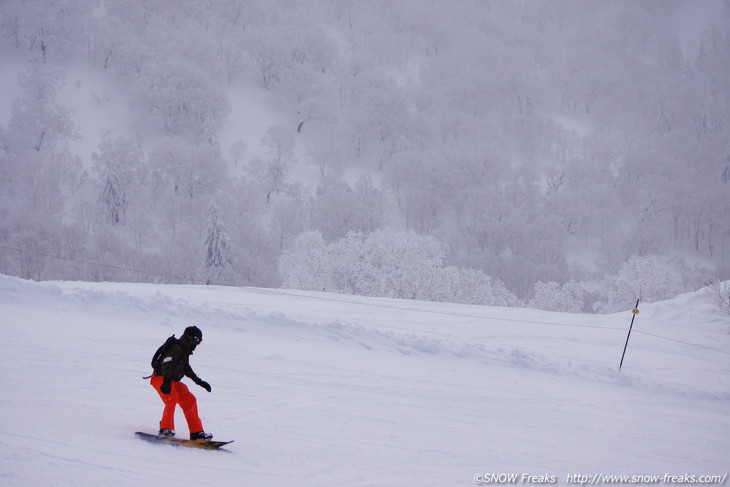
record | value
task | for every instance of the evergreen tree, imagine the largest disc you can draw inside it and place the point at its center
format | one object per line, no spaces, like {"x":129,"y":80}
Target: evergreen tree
{"x":113,"y":197}
{"x":218,"y":254}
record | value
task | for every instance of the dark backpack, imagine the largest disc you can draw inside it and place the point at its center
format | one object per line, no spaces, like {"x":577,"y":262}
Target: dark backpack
{"x":157,"y":357}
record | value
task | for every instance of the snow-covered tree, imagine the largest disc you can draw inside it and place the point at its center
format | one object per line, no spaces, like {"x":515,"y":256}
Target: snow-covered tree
{"x":325,"y":151}
{"x":182,"y":100}
{"x":237,"y":151}
{"x":649,"y":278}
{"x":474,"y":286}
{"x":720,"y":295}
{"x":187,"y":169}
{"x":37,"y":121}
{"x":287,"y":220}
{"x":218,"y":252}
{"x":306,"y":265}
{"x":386,"y":263}
{"x":379,"y":264}
{"x":272,"y":172}
{"x":120,"y":167}
{"x":552,"y":296}
{"x":49,"y":31}
{"x":406,"y":264}
{"x":338,"y":208}
{"x":113,"y":197}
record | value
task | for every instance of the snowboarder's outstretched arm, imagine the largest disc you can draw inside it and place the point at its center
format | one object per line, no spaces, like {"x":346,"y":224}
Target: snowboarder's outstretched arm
{"x":191,"y":373}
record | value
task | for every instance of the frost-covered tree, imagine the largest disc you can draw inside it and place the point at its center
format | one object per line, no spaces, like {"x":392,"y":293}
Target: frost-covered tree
{"x":382,"y":263}
{"x":474,"y":286}
{"x":287,"y":220}
{"x":49,"y":31}
{"x":218,"y":252}
{"x":113,"y":197}
{"x":124,"y":155}
{"x":257,"y":254}
{"x":39,"y":174}
{"x":386,"y":263}
{"x":552,"y":296}
{"x":649,"y":278}
{"x":338,"y":208}
{"x":37,"y":120}
{"x":188,"y":169}
{"x":372,"y":210}
{"x":272,"y":172}
{"x":306,"y":265}
{"x":406,"y":264}
{"x":120,"y":167}
{"x":720,"y":294}
{"x":237,"y":151}
{"x":325,"y":151}
{"x":182,"y":100}
{"x":377,"y":112}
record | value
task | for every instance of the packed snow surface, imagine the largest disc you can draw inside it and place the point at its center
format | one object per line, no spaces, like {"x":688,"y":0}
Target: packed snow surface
{"x":324,"y":389}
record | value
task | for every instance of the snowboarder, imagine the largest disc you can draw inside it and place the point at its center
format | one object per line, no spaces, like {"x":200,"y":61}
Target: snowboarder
{"x":170,"y":365}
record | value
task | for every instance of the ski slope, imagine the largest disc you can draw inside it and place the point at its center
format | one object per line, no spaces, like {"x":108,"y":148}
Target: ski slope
{"x":324,"y":390}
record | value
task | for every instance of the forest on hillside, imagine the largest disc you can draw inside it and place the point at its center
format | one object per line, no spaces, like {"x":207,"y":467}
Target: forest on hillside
{"x":568,"y":155}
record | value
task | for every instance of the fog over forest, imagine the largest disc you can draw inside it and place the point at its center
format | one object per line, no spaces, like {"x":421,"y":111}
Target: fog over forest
{"x":568,"y":155}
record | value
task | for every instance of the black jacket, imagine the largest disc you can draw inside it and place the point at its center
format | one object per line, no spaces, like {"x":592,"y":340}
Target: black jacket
{"x":175,"y":363}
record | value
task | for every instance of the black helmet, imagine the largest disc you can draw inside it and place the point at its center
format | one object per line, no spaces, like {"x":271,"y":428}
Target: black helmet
{"x":194,"y":333}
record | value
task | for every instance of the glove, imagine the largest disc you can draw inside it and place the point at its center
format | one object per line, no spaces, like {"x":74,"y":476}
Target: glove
{"x":204,"y":385}
{"x":166,"y":386}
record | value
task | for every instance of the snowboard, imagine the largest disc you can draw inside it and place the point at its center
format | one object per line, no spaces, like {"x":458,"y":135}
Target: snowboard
{"x":171,"y":440}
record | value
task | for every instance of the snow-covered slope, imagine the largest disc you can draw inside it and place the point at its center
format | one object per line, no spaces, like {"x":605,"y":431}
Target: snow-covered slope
{"x":322,"y":390}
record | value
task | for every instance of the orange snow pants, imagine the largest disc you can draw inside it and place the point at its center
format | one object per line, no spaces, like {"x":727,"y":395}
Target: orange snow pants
{"x":179,"y":394}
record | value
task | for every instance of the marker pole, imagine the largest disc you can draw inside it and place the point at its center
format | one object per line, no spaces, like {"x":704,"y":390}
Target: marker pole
{"x":635,"y":312}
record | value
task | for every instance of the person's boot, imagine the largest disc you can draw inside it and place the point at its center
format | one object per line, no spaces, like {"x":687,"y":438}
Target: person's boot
{"x":200,"y":435}
{"x":167,"y":433}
